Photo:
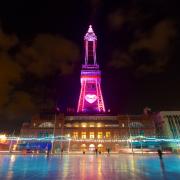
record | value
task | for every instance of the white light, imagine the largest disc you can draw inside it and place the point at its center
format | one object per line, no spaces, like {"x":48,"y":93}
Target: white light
{"x":3,"y":137}
{"x":91,"y":98}
{"x":90,"y":30}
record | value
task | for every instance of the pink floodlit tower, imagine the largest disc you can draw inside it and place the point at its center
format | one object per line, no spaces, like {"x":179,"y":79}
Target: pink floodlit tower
{"x":90,"y":99}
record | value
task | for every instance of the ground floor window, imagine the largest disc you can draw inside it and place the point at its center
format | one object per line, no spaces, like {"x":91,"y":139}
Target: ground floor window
{"x":83,"y":135}
{"x":100,"y":135}
{"x":100,"y":147}
{"x":83,"y":147}
{"x":75,"y":135}
{"x":108,"y":134}
{"x":91,"y":135}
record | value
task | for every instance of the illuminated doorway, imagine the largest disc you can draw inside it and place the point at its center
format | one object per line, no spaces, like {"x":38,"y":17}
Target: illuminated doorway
{"x":91,"y":147}
{"x":100,"y":147}
{"x":83,"y":147}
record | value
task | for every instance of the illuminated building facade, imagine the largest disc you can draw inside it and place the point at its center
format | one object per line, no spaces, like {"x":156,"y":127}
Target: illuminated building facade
{"x":168,"y":127}
{"x":91,"y":128}
{"x":90,"y":132}
{"x":90,"y":99}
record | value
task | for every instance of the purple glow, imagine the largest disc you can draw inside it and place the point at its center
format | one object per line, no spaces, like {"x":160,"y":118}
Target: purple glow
{"x":90,"y":99}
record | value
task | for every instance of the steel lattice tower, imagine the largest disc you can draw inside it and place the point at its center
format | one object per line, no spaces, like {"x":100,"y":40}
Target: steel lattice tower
{"x":90,"y":99}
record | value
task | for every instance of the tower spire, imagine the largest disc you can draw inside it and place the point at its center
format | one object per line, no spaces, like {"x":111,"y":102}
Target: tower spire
{"x":90,"y":30}
{"x":90,"y":39}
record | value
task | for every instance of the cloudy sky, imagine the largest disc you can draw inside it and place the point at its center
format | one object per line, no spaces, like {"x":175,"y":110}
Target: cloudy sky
{"x":41,"y":51}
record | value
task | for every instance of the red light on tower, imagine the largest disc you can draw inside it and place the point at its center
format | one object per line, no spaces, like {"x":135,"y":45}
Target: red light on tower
{"x":90,"y":99}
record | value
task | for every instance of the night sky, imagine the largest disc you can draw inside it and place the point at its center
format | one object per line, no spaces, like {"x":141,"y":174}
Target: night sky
{"x":41,"y":52}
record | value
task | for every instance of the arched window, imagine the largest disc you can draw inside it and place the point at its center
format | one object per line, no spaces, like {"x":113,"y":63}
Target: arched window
{"x":83,"y":147}
{"x":100,"y":145}
{"x":136,"y":125}
{"x":91,"y":147}
{"x":46,"y":125}
{"x":68,"y":125}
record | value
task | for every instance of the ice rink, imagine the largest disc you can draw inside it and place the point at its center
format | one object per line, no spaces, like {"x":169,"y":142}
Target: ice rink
{"x":89,"y":167}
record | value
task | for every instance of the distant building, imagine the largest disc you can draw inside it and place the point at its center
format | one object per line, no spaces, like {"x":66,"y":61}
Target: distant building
{"x":168,"y":126}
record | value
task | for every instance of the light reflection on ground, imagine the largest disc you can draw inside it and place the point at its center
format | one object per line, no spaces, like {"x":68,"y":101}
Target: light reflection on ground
{"x":89,"y":167}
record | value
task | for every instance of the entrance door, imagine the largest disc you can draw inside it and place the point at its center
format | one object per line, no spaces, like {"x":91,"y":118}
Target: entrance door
{"x":91,"y":147}
{"x":83,"y":147}
{"x":100,"y":147}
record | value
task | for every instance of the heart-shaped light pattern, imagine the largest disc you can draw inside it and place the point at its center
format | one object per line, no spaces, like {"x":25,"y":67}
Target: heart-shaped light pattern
{"x":91,"y":98}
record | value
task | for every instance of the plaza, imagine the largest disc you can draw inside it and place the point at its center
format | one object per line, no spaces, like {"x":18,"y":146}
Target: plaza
{"x":113,"y":166}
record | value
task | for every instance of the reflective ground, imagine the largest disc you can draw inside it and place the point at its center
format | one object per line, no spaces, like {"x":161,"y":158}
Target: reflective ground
{"x":89,"y":167}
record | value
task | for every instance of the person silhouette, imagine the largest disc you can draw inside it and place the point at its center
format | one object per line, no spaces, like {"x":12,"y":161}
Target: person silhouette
{"x":159,"y":153}
{"x":61,"y":151}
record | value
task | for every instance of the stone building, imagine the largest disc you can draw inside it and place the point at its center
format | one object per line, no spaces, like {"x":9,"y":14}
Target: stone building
{"x":88,"y":132}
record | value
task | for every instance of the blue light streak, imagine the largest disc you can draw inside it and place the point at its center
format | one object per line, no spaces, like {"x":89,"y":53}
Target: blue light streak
{"x":65,"y":138}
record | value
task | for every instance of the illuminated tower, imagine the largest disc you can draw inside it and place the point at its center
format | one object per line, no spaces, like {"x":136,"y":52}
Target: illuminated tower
{"x":90,"y":99}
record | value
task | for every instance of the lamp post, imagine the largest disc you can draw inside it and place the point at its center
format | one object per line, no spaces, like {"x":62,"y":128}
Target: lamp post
{"x":69,"y":142}
{"x":52,"y":148}
{"x":10,"y":146}
{"x":140,"y":139}
{"x":55,"y":119}
{"x":130,"y":134}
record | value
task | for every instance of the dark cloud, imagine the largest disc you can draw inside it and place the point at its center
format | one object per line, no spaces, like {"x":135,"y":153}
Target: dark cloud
{"x":7,"y":41}
{"x":21,"y":104}
{"x":120,"y":60}
{"x":158,"y":39}
{"x":157,"y":66}
{"x":116,"y":20}
{"x":47,"y":54}
{"x":122,"y":16}
{"x":39,"y":59}
{"x":95,"y":6}
{"x":158,"y":42}
{"x":10,"y":71}
{"x":155,"y":41}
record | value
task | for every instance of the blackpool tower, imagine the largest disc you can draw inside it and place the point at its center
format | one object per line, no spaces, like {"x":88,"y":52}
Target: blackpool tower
{"x":90,"y":99}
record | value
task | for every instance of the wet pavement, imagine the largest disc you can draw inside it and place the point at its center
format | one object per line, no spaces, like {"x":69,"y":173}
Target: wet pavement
{"x":89,"y":167}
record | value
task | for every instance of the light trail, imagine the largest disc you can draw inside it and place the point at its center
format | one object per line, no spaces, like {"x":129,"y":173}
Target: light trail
{"x":65,"y":138}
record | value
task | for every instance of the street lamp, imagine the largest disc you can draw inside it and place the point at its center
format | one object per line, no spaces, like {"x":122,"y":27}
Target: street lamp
{"x":53,"y":133}
{"x":130,"y":133}
{"x":69,"y":142}
{"x":10,"y":146}
{"x":55,"y":119}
